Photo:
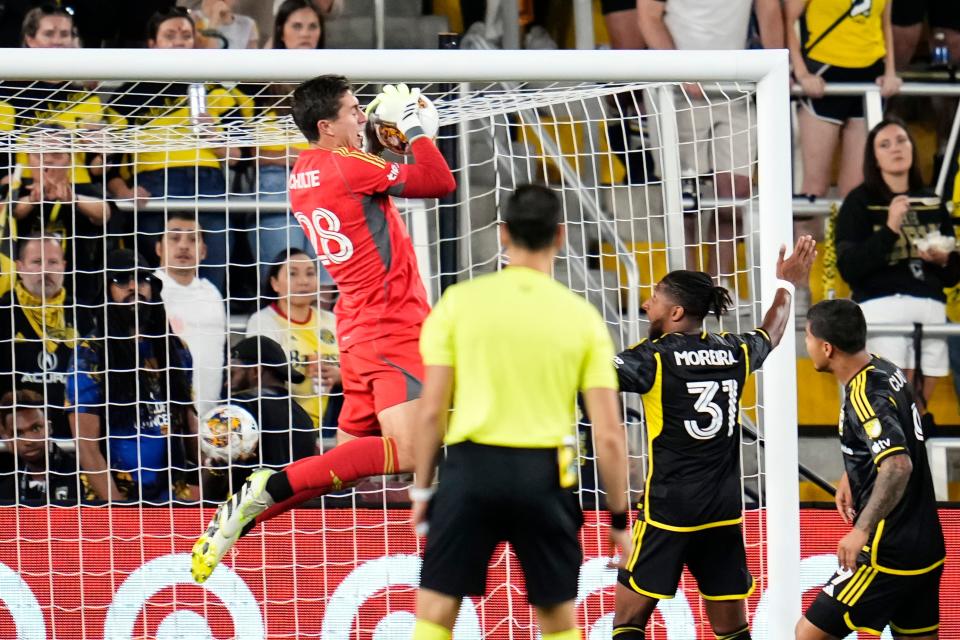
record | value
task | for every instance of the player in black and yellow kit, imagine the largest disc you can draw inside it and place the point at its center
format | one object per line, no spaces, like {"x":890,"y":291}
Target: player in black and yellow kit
{"x":509,"y":351}
{"x":892,"y":559}
{"x":692,"y":382}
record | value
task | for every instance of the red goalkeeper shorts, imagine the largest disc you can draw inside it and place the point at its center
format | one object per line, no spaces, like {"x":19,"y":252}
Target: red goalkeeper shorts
{"x":377,"y":375}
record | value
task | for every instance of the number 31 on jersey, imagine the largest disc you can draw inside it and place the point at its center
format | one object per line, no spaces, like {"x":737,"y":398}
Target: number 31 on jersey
{"x":705,"y":392}
{"x":332,"y":247}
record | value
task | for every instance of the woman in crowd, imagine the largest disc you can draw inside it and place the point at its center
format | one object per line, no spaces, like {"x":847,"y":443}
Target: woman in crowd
{"x":840,"y":41}
{"x":889,"y":252}
{"x":295,"y":316}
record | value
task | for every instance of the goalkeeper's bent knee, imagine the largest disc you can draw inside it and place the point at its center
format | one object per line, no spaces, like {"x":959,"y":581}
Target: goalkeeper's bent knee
{"x":628,"y":632}
{"x":741,"y":634}
{"x":569,"y":634}
{"x":426,"y":630}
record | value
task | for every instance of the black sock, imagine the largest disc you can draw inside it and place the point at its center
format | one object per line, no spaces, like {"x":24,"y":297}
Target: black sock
{"x":628,"y":632}
{"x":279,"y":487}
{"x":742,"y":634}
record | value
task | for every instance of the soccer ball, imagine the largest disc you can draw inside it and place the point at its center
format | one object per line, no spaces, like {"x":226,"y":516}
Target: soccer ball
{"x":228,"y":432}
{"x":391,"y":138}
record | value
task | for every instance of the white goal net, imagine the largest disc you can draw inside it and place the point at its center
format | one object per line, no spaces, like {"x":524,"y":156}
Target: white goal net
{"x":655,"y":174}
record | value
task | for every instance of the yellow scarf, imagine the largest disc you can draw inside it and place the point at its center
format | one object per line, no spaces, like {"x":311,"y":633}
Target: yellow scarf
{"x":47,"y":318}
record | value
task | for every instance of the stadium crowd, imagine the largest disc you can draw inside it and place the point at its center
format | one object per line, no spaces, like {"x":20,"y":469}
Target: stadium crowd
{"x":116,"y":322}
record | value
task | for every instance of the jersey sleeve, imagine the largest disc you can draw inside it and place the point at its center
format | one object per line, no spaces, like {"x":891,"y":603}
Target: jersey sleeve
{"x":879,"y":424}
{"x":598,"y":371}
{"x":756,"y":344}
{"x":636,"y":368}
{"x":428,"y":177}
{"x":83,"y":391}
{"x":436,"y":337}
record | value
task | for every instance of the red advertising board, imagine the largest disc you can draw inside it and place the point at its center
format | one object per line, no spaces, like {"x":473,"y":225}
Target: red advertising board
{"x":334,"y":574}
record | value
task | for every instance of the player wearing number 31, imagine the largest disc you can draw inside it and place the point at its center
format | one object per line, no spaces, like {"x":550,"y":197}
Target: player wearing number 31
{"x":691,"y":382}
{"x":341,"y":196}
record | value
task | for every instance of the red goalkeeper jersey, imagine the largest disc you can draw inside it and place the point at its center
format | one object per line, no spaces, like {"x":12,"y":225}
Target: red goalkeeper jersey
{"x":341,"y":198}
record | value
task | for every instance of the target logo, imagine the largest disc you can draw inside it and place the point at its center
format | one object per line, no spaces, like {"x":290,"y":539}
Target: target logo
{"x":168,"y":571}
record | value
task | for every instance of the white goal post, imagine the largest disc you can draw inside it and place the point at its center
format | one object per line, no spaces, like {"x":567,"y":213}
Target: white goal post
{"x":768,"y":71}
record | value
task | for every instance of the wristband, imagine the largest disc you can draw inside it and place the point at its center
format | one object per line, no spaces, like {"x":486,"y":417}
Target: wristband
{"x":618,"y":521}
{"x":421,"y":494}
{"x":786,"y":284}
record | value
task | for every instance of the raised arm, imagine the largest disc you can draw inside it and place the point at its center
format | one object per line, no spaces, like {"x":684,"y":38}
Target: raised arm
{"x":796,"y":271}
{"x":429,"y":176}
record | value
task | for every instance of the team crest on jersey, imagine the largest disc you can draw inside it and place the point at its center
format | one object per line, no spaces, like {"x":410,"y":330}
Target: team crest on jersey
{"x":873,"y":427}
{"x":327,"y":337}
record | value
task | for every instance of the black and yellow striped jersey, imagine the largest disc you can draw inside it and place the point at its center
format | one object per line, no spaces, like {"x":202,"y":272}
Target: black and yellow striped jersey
{"x":691,"y":386}
{"x":878,"y":419}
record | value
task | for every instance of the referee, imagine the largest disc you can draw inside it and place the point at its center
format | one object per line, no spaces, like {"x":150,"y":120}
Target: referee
{"x":508,"y":352}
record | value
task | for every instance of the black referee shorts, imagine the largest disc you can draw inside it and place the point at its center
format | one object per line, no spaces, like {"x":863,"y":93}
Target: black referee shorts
{"x":716,"y":557}
{"x":868,"y":600}
{"x":492,"y":494}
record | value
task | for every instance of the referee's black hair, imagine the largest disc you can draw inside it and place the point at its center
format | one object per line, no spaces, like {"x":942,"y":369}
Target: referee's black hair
{"x":696,"y":293}
{"x":318,"y":99}
{"x":532,"y":215}
{"x":839,"y":322}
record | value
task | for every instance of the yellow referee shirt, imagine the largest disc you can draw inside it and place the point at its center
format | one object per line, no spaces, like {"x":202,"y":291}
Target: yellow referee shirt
{"x":521,"y":345}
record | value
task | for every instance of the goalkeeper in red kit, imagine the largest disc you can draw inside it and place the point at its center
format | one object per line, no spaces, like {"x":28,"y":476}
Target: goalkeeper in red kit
{"x":341,"y":197}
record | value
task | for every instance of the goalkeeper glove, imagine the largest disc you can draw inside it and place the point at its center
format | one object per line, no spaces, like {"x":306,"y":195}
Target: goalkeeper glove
{"x":401,"y":106}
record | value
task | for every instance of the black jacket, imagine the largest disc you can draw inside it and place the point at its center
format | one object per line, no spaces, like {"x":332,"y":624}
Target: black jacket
{"x":876,"y":262}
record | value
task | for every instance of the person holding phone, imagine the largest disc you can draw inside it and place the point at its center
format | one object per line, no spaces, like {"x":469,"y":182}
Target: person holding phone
{"x":894,"y":248}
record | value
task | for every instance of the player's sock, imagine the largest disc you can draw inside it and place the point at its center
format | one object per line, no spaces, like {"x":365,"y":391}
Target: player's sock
{"x":741,"y":634}
{"x":315,"y":475}
{"x":426,"y":630}
{"x":569,"y":634}
{"x":628,"y":632}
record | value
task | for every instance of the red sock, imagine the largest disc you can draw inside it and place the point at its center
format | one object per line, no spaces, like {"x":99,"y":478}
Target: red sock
{"x":315,"y":475}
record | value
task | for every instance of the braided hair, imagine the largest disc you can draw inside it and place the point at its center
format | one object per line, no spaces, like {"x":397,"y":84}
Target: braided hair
{"x":696,"y":293}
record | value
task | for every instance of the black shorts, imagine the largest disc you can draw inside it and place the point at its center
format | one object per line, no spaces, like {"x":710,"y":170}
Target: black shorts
{"x":839,"y":109}
{"x":869,"y":600}
{"x":939,"y":13}
{"x":715,"y":556}
{"x":488,"y":495}
{"x":611,"y":6}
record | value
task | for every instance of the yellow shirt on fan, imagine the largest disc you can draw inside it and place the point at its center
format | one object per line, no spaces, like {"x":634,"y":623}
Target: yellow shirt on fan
{"x":160,"y":114}
{"x":855,"y":42}
{"x":305,"y":343}
{"x":25,"y":106}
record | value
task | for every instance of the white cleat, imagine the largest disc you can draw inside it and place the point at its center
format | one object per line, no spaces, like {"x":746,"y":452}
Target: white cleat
{"x":229,"y":523}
